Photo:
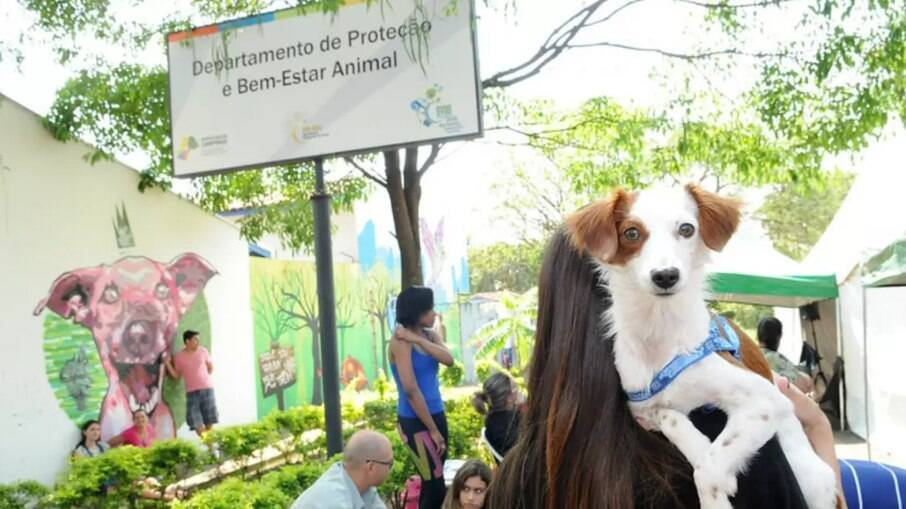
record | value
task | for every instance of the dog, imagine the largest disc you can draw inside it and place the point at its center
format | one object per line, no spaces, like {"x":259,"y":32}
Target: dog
{"x":652,"y":247}
{"x":133,"y":308}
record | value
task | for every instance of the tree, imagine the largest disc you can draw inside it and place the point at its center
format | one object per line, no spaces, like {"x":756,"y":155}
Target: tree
{"x":503,"y":266}
{"x":378,"y":290}
{"x":515,"y":326}
{"x":832,"y":87}
{"x":276,"y":323}
{"x":299,"y":304}
{"x":795,"y":218}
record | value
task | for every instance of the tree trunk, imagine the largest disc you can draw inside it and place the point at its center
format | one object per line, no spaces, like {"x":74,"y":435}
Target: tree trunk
{"x":404,"y":189}
{"x":316,"y":398}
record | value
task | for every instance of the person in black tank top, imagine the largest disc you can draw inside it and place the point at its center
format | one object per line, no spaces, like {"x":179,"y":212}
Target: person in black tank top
{"x":498,"y":401}
{"x":415,"y":352}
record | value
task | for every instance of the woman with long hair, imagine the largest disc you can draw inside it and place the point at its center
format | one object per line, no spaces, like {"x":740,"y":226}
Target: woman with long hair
{"x":497,"y":401}
{"x":90,"y":445}
{"x":416,"y":352}
{"x":470,"y":486}
{"x":579,"y":446}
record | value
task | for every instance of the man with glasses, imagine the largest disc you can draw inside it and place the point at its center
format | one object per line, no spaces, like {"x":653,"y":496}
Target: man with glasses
{"x":352,"y":483}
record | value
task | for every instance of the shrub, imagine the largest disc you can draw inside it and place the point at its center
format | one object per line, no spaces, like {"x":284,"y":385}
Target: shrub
{"x":22,"y":494}
{"x":451,"y":376}
{"x":464,"y":425}
{"x":109,"y":480}
{"x":381,"y":416}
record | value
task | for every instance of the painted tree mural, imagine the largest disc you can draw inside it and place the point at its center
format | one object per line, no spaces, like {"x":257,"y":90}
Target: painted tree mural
{"x":267,"y":300}
{"x":298,"y":302}
{"x":376,"y":301}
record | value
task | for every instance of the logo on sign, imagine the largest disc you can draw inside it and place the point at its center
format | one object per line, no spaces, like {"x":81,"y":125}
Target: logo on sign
{"x":431,"y":110}
{"x":186,"y":145}
{"x":301,"y":131}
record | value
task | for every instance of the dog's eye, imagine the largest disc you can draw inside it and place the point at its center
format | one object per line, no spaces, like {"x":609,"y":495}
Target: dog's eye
{"x":111,"y":295}
{"x":162,"y":291}
{"x":632,"y":234}
{"x":686,"y":230}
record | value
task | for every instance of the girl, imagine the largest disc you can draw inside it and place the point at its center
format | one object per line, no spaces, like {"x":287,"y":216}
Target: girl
{"x":415,"y":355}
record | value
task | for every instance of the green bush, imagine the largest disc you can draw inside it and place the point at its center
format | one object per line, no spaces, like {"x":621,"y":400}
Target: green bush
{"x":235,"y":493}
{"x":109,"y":480}
{"x":239,"y":442}
{"x":381,"y":416}
{"x":451,"y":376}
{"x":22,"y":494}
{"x":487,"y":367}
{"x":464,"y":425}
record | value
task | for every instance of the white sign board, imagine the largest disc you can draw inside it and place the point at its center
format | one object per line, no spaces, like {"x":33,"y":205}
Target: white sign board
{"x":299,"y":83}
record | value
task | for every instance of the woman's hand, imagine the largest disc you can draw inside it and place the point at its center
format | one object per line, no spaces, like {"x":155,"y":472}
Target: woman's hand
{"x":807,"y":410}
{"x":407,"y":335}
{"x":439,"y":441}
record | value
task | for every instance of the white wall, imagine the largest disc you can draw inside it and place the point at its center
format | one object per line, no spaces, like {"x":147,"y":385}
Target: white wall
{"x":886,"y":350}
{"x":56,"y":214}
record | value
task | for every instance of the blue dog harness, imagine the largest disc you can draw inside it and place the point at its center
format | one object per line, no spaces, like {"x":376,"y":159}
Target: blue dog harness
{"x":721,"y":338}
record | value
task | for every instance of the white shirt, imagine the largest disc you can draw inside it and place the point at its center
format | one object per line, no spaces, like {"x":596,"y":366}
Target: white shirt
{"x":335,"y":490}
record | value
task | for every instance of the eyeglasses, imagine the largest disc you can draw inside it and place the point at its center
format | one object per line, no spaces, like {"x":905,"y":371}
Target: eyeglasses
{"x":388,"y":464}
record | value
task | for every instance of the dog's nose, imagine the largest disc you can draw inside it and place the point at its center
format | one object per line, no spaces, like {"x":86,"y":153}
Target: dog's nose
{"x":665,"y":278}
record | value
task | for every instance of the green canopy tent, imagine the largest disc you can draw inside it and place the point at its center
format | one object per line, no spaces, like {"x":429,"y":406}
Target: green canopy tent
{"x":790,"y":291}
{"x":750,"y":271}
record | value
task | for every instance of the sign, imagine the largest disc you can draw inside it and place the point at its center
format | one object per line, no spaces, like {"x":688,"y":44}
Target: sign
{"x":301,"y":83}
{"x":278,"y":369}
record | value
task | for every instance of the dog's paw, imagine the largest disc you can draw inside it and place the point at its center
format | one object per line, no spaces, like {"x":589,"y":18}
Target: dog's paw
{"x":715,"y":483}
{"x":818,"y":485}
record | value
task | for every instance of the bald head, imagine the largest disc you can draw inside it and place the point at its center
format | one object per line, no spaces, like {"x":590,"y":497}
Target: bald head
{"x":366,"y":446}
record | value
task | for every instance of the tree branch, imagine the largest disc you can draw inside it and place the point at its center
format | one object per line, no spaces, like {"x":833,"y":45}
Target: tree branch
{"x":763,"y":3}
{"x":432,"y":156}
{"x":612,"y":14}
{"x":671,"y":54}
{"x":555,"y":44}
{"x":374,"y":178}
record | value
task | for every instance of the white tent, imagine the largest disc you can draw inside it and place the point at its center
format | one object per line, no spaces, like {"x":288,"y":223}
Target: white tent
{"x":872,"y":216}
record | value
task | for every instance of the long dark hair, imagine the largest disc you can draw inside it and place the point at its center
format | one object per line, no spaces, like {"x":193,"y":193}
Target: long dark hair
{"x":579,"y":445}
{"x":494,"y":394}
{"x":469,"y":469}
{"x":85,"y":425}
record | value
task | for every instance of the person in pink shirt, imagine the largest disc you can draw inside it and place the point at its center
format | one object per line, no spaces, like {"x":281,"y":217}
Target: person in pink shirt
{"x":193,"y":364}
{"x":141,"y":434}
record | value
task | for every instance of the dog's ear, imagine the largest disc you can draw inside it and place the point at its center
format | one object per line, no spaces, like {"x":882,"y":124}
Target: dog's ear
{"x":718,"y":216}
{"x":593,"y":228}
{"x":71,"y":295}
{"x":191,"y":273}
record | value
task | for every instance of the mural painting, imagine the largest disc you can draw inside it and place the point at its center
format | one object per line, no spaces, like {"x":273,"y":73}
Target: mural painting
{"x":285,"y":305}
{"x":131,"y":310}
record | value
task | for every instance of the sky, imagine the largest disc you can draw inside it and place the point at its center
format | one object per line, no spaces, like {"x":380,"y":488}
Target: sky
{"x":462,"y":178}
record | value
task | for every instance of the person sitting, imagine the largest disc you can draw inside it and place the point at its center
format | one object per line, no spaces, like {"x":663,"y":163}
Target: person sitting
{"x":352,"y":483}
{"x":470,"y":486}
{"x":770,"y":330}
{"x":91,"y":444}
{"x":498,"y":401}
{"x":141,"y":434}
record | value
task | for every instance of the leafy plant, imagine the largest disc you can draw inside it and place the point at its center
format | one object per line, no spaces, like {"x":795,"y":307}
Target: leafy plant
{"x":514,"y":326}
{"x":451,"y":376}
{"x":22,"y":495}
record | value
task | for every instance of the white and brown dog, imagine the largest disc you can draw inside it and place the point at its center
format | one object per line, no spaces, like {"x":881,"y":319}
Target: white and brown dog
{"x":654,"y":245}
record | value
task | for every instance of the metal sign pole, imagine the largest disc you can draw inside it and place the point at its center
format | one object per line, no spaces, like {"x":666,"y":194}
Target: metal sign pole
{"x":327,"y":312}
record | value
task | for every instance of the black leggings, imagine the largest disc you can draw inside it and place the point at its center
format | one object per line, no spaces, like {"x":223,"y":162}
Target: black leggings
{"x":428,"y":462}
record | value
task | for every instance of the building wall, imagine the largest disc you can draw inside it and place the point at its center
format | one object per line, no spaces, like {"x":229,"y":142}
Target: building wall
{"x":64,"y":235}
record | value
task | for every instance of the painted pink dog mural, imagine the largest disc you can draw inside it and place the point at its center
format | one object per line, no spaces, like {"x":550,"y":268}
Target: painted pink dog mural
{"x":133,"y":308}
